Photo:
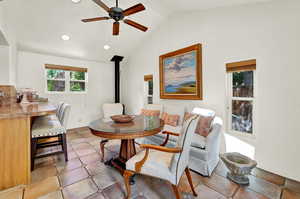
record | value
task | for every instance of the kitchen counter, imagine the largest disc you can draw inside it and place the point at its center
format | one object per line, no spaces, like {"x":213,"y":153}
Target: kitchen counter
{"x":26,"y":110}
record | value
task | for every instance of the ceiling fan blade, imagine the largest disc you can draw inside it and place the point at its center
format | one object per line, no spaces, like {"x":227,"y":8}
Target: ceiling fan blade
{"x":134,"y":9}
{"x":116,"y":28}
{"x":95,"y":19}
{"x":102,"y":5}
{"x":136,"y":25}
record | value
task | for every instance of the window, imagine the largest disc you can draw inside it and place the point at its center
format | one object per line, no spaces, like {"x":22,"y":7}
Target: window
{"x":56,"y":80}
{"x":77,"y":81}
{"x":62,"y":79}
{"x":148,"y":89}
{"x":241,"y":96}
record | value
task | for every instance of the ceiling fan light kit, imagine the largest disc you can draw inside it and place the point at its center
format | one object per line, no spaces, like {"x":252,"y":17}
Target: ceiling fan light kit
{"x":76,"y":1}
{"x":118,"y":14}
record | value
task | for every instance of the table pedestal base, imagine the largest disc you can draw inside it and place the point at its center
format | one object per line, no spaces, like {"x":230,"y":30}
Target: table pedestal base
{"x":127,"y":150}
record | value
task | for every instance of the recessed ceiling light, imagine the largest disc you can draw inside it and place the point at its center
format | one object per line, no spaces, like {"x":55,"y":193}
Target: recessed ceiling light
{"x":76,"y":1}
{"x":106,"y":47}
{"x":65,"y":37}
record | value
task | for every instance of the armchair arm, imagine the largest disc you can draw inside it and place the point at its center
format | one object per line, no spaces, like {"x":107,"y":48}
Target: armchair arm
{"x":139,"y":165}
{"x":161,"y":148}
{"x":168,"y":135}
{"x":214,"y":138}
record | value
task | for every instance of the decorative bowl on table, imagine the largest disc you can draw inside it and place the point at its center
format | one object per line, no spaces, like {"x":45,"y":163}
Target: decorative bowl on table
{"x":122,"y":118}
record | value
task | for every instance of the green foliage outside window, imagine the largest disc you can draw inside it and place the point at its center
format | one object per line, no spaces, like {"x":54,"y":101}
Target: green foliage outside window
{"x":238,"y":78}
{"x":77,"y":75}
{"x":56,"y":80}
{"x":242,"y":84}
{"x":77,"y":86}
{"x":150,"y":85}
{"x":55,"y":74}
{"x":74,"y":85}
{"x":55,"y":85}
{"x":50,"y":85}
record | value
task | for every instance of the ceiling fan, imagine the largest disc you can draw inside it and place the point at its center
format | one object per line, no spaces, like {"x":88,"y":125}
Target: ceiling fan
{"x":119,"y":14}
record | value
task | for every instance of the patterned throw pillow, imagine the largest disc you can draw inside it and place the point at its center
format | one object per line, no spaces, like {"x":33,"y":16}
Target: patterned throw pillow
{"x":204,"y":124}
{"x":169,"y":119}
{"x":147,"y":112}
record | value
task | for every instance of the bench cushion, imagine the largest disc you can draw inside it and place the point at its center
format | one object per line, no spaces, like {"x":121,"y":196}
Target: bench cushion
{"x":47,"y":126}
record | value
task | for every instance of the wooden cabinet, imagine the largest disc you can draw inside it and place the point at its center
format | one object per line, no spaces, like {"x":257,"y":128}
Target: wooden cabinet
{"x":14,"y":152}
{"x":15,"y":138}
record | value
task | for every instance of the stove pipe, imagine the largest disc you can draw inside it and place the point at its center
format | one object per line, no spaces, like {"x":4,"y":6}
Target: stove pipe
{"x":117,"y":59}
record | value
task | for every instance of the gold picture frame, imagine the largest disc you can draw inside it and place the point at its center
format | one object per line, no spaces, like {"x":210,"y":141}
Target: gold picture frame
{"x":181,"y":74}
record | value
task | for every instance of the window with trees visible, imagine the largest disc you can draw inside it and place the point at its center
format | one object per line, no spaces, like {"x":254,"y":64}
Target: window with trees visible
{"x":62,"y":79}
{"x":241,"y":96}
{"x":77,"y":81}
{"x":148,"y":79}
{"x":56,"y":80}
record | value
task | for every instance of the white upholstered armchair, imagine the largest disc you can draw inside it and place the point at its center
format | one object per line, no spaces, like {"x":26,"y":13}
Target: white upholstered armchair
{"x":204,"y":153}
{"x":163,"y":162}
{"x":108,"y":111}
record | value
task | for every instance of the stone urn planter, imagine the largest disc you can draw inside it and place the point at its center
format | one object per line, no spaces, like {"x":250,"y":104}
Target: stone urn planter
{"x":240,"y":167}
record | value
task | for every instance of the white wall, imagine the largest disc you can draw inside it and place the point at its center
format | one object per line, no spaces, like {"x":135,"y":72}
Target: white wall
{"x":4,"y":53}
{"x":8,"y":73}
{"x":85,"y":107}
{"x":4,"y":65}
{"x":267,"y":32}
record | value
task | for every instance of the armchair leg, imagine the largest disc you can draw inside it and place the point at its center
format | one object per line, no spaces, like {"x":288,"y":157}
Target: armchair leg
{"x":127,"y":175}
{"x":189,"y":177}
{"x":176,"y":191}
{"x":102,"y":144}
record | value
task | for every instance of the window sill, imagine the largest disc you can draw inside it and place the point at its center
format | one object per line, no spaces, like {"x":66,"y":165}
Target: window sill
{"x":241,"y":134}
{"x":65,"y":93}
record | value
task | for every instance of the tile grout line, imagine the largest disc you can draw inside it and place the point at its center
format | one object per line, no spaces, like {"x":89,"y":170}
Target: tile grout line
{"x":230,"y":181}
{"x":248,"y":187}
{"x":268,"y":182}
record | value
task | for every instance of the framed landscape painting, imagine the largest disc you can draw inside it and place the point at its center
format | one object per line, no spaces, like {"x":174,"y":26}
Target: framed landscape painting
{"x":181,"y":74}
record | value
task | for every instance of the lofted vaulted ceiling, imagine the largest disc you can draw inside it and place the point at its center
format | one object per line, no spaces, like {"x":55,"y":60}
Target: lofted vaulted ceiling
{"x":39,"y":24}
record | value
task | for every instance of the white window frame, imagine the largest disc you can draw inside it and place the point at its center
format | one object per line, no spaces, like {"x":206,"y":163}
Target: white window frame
{"x":146,"y":90}
{"x":67,"y":83}
{"x":230,"y":98}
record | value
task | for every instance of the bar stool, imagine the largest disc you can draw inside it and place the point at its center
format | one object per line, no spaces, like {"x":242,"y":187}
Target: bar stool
{"x":50,"y":127}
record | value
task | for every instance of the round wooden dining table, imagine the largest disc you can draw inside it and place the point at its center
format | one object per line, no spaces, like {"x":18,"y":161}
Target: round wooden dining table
{"x":141,"y":126}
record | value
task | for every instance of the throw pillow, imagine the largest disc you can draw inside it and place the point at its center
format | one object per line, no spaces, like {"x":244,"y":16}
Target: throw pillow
{"x":147,"y":112}
{"x":171,"y":120}
{"x":204,"y":123}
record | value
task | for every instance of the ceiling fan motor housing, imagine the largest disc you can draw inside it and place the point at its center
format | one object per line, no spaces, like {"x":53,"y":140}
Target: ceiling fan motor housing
{"x":116,"y":13}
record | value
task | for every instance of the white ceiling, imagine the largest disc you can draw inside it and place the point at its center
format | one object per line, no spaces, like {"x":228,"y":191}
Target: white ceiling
{"x":39,"y":24}
{"x":193,"y":5}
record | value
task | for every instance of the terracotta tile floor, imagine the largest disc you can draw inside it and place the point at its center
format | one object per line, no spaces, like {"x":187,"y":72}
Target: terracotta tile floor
{"x":85,"y":177}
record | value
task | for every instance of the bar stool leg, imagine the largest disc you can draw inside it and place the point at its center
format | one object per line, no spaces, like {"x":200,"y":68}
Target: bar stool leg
{"x":33,"y":151}
{"x":64,"y":146}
